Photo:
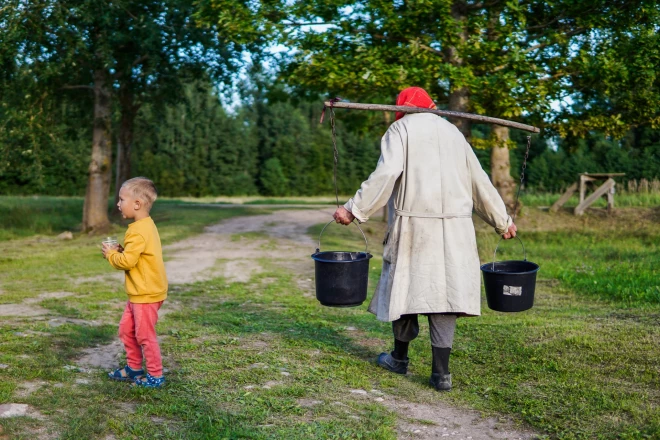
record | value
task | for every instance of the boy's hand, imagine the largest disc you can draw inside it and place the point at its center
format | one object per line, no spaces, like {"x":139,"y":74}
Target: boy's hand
{"x":105,"y":248}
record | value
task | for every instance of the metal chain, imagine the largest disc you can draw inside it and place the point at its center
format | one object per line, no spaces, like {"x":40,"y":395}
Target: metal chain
{"x":336,"y":152}
{"x":522,"y":177}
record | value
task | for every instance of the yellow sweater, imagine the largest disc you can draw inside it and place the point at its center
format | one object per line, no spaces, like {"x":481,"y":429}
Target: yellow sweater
{"x":142,"y":261}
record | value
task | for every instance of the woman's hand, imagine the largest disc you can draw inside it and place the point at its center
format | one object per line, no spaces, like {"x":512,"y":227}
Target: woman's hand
{"x":511,"y":232}
{"x":343,"y":216}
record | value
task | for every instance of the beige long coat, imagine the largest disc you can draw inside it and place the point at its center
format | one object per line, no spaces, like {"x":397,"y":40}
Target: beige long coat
{"x":430,"y":259}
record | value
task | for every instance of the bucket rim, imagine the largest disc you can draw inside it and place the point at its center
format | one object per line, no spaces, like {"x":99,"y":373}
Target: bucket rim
{"x":316,"y":258}
{"x":486,"y":267}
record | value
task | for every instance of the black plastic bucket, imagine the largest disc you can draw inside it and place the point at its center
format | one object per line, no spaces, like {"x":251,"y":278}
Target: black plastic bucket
{"x":341,"y":276}
{"x":510,"y":284}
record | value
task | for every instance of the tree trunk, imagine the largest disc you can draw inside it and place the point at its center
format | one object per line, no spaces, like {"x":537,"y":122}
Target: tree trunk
{"x":500,"y":167}
{"x":459,"y":97}
{"x":124,"y":141}
{"x":95,"y":209}
{"x":459,"y":101}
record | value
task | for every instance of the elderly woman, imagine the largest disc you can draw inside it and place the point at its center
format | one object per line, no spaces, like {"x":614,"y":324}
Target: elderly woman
{"x":433,"y":181}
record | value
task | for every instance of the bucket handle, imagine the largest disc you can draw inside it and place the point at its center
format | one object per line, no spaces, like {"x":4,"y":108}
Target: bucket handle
{"x":498,"y":245}
{"x":366,"y":244}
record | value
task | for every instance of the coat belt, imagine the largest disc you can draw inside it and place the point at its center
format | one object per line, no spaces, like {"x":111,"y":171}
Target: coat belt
{"x":402,"y":213}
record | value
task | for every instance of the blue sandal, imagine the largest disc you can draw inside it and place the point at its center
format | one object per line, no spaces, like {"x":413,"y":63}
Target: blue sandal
{"x":149,"y":381}
{"x":125,"y":374}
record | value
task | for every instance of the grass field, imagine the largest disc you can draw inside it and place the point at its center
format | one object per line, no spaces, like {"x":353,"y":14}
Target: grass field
{"x":261,"y":360}
{"x":621,"y":200}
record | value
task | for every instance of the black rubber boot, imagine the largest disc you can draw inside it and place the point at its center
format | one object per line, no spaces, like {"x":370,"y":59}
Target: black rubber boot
{"x":397,"y":361}
{"x":400,"y":349}
{"x":440,"y":376}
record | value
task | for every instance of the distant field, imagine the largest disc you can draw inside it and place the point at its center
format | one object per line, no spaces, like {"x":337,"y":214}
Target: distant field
{"x":253,"y":200}
{"x":26,"y":216}
{"x":621,"y":200}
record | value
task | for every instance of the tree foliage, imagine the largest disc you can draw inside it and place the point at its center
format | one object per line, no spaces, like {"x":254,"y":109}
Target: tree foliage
{"x":133,"y":51}
{"x":163,"y":61}
{"x":194,"y":148}
{"x":515,"y":57}
{"x":269,"y":145}
{"x":371,"y":49}
{"x":613,"y":81}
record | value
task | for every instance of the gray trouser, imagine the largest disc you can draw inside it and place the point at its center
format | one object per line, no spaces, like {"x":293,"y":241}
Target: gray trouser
{"x":442,"y":329}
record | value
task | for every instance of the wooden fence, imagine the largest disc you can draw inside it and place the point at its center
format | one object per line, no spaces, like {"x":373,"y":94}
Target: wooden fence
{"x":643,"y":186}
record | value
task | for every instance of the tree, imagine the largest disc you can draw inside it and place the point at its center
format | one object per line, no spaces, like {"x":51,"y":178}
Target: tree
{"x":288,"y":130}
{"x":454,"y":49}
{"x":162,"y":47}
{"x":613,"y":84}
{"x":501,"y":58}
{"x":130,"y":51}
{"x":273,"y":180}
{"x":193,"y":147}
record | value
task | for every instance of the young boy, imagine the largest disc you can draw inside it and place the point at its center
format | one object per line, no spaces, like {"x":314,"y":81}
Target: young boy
{"x":141,"y":259}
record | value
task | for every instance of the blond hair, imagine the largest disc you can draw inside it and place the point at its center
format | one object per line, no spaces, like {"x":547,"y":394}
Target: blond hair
{"x":142,"y":189}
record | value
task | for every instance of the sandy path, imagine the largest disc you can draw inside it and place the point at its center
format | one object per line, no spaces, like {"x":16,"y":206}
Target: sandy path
{"x":215,"y":254}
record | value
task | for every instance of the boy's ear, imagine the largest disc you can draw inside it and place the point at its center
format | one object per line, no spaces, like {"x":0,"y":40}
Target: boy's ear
{"x":138,"y":204}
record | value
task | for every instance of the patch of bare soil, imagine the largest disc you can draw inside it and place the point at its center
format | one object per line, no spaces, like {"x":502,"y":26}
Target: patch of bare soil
{"x":308,"y":403}
{"x":215,"y":253}
{"x":23,"y":310}
{"x":169,"y":306}
{"x":26,"y":388}
{"x":105,"y":357}
{"x":8,"y":410}
{"x":56,"y":322}
{"x":439,"y":420}
{"x":29,"y":307}
{"x":47,"y":295}
{"x":114,"y":277}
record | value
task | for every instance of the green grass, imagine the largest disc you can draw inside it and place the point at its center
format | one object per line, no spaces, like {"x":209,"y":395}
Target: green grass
{"x":582,"y":364}
{"x":621,"y":200}
{"x":26,"y":216}
{"x":296,"y":201}
{"x":44,"y":215}
{"x":611,"y":258}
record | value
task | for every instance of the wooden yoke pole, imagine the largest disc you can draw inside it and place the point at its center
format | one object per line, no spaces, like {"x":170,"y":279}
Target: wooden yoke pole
{"x":451,"y":114}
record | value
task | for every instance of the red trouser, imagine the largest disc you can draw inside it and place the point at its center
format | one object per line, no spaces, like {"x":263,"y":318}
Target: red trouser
{"x":137,"y":330}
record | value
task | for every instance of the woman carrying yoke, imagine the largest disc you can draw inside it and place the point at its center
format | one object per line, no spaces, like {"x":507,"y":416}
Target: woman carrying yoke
{"x":433,"y":181}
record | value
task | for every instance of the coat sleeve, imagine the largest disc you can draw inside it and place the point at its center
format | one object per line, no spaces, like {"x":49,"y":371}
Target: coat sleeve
{"x":377,"y":189}
{"x":134,"y":245}
{"x":487,"y":202}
